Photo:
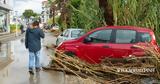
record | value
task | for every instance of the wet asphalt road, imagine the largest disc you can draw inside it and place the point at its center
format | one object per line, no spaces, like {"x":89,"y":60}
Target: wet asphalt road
{"x":17,"y":71}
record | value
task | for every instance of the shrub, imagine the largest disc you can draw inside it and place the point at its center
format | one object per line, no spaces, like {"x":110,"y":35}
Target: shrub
{"x":13,"y":28}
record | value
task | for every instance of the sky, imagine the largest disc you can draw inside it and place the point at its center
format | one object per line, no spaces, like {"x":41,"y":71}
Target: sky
{"x":21,"y":5}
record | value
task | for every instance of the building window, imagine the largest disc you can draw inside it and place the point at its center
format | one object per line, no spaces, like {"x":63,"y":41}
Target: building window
{"x":3,"y":23}
{"x":3,"y":1}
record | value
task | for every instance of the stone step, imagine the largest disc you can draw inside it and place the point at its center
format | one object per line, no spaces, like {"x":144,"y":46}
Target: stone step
{"x":7,"y":37}
{"x":4,"y":33}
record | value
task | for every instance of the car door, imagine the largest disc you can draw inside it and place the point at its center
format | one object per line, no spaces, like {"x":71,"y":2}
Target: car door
{"x":124,"y":41}
{"x":143,"y":38}
{"x":98,"y":48}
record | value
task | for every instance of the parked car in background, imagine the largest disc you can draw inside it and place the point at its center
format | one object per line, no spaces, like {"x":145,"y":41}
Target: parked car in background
{"x":54,"y":28}
{"x":41,"y":25}
{"x":111,"y":42}
{"x":47,"y":27}
{"x":69,"y":34}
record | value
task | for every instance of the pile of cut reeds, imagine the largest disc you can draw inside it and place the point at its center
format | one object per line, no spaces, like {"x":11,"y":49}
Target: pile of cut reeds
{"x":111,"y":70}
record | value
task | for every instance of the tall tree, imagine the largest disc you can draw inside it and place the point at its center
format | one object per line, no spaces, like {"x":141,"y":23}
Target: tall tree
{"x":28,"y":13}
{"x":52,"y":10}
{"x":60,"y":5}
{"x":94,"y":13}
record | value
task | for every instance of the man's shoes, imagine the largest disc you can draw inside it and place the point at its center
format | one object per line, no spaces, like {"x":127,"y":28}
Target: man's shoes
{"x":31,"y":72}
{"x":38,"y":69}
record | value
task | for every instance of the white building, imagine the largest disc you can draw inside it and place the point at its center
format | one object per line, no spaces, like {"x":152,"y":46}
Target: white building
{"x":4,"y":16}
{"x":5,"y":47}
{"x":45,"y":12}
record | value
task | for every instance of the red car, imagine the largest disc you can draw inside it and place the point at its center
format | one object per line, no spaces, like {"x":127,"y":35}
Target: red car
{"x":109,"y":41}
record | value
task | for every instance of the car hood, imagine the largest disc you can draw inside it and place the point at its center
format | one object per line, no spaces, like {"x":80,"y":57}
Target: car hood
{"x":62,"y":45}
{"x":70,"y":41}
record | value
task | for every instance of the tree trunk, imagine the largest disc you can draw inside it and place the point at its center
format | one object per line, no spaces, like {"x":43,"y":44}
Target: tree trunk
{"x":53,"y":9}
{"x":108,"y":13}
{"x":64,"y":14}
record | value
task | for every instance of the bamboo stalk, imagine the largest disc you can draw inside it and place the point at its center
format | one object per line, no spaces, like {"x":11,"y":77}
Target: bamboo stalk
{"x":100,"y":72}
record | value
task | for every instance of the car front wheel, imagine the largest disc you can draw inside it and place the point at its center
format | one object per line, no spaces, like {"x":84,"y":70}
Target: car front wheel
{"x":69,"y":53}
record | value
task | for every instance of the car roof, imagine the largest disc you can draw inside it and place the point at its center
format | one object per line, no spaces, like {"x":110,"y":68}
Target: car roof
{"x":74,"y":29}
{"x":126,"y":27}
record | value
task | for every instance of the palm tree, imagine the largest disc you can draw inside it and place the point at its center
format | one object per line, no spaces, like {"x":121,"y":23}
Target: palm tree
{"x":108,"y":12}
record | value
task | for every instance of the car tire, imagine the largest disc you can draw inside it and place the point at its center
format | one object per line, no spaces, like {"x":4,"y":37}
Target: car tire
{"x":69,"y":53}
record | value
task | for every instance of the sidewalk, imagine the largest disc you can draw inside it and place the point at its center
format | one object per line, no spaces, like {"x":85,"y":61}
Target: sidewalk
{"x":5,"y":48}
{"x":17,"y":71}
{"x":5,"y":37}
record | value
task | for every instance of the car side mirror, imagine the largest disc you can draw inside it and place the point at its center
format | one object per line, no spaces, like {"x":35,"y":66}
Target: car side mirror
{"x":87,"y":40}
{"x":61,"y":34}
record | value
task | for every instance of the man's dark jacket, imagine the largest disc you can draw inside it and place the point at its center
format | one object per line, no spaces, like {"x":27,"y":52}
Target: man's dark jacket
{"x":33,"y":39}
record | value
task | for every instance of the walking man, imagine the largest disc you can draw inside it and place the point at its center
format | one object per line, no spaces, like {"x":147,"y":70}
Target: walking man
{"x":22,"y":28}
{"x":33,"y":44}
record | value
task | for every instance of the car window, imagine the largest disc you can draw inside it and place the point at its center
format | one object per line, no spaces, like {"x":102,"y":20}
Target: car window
{"x":82,"y":33}
{"x":144,"y":37}
{"x":66,"y":33}
{"x":101,"y":36}
{"x":125,"y":36}
{"x":76,"y":33}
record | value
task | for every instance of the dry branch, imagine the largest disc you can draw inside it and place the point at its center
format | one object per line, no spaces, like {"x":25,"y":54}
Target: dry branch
{"x":108,"y":69}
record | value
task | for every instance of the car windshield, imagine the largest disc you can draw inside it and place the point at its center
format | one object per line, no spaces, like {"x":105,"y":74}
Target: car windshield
{"x":77,"y":33}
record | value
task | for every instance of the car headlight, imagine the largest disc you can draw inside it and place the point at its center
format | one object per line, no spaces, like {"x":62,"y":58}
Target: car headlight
{"x":60,"y":44}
